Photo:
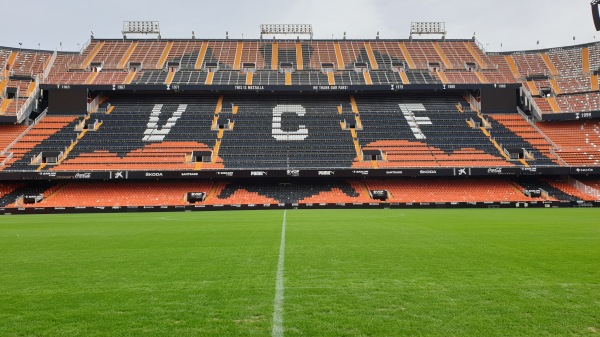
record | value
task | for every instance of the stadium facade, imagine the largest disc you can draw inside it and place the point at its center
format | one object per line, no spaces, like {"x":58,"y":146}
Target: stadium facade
{"x":204,"y":123}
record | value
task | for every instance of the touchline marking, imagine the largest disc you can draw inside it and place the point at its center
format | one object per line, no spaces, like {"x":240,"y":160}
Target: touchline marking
{"x":278,"y":303}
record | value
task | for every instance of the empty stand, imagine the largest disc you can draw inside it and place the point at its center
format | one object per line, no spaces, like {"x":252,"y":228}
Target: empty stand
{"x":579,"y":142}
{"x":450,"y":190}
{"x":423,"y":131}
{"x":286,"y":132}
{"x":146,"y":133}
{"x":51,"y":134}
{"x":109,"y":194}
{"x":388,"y":58}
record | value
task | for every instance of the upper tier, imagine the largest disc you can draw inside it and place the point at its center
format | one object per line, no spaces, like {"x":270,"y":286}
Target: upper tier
{"x":273,"y":62}
{"x":558,"y":80}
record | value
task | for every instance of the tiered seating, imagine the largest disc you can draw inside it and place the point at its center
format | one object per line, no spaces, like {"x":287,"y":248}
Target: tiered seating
{"x":15,"y":191}
{"x":450,"y":190}
{"x":579,"y":102}
{"x":569,"y":189}
{"x":186,"y":53}
{"x":506,"y":137}
{"x":148,"y":53}
{"x":457,"y":54}
{"x":8,"y":133}
{"x":340,"y":193}
{"x":567,"y":61}
{"x":520,"y":127}
{"x":502,"y":74}
{"x":556,"y":189}
{"x":594,"y":55}
{"x":107,"y":78}
{"x":349,"y":78}
{"x":270,"y":192}
{"x":422,"y":53}
{"x":307,"y":78}
{"x":421,"y":77}
{"x":111,"y":54}
{"x":120,"y":141}
{"x":321,"y":52}
{"x":591,"y":182}
{"x":354,"y":51}
{"x":229,"y":78}
{"x":530,"y":64}
{"x":442,"y":139}
{"x":543,"y":105}
{"x":75,"y":77}
{"x":30,"y":63}
{"x":172,"y":193}
{"x":387,"y":52}
{"x":4,"y":55}
{"x":574,"y":84}
{"x":316,"y":139}
{"x":52,"y":133}
{"x":221,"y":52}
{"x":193,"y":56}
{"x":458,"y":77}
{"x":7,"y":188}
{"x":189,"y":77}
{"x":579,"y":142}
{"x":385,"y":77}
{"x":151,"y":77}
{"x":108,"y":194}
{"x":234,"y":194}
{"x":252,"y":53}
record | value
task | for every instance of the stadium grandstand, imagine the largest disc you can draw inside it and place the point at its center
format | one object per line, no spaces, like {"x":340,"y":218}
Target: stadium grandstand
{"x":155,"y":123}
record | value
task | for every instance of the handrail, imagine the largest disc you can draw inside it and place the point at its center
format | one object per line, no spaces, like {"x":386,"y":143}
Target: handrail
{"x":581,"y":187}
{"x":535,"y":108}
{"x":85,"y":45}
{"x":9,"y":157}
{"x":35,"y":122}
{"x":49,"y":65}
{"x":29,"y":100}
{"x":556,"y":147}
{"x":94,"y":104}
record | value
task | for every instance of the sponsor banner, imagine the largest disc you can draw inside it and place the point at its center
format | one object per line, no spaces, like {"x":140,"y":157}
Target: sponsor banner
{"x":57,"y":175}
{"x":254,"y":174}
{"x":585,"y":170}
{"x":495,"y":171}
{"x":462,"y":172}
{"x":269,"y":88}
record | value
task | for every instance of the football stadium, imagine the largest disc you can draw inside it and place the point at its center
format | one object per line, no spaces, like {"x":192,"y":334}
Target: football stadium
{"x":289,"y":185}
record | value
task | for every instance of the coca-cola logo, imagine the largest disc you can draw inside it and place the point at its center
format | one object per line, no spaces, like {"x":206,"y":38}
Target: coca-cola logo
{"x":87,"y":175}
{"x":495,"y":170}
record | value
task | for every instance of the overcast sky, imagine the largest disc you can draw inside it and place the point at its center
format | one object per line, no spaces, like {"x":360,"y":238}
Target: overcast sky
{"x":517,"y":24}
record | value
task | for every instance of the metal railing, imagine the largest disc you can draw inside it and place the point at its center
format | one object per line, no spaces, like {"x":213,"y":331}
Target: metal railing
{"x":35,"y":122}
{"x":581,"y":187}
{"x":534,"y":107}
{"x":9,"y":157}
{"x":49,"y":65}
{"x":25,"y":107}
{"x":85,"y":45}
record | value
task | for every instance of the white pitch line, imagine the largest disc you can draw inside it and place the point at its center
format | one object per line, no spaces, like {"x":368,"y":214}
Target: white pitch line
{"x":278,"y":303}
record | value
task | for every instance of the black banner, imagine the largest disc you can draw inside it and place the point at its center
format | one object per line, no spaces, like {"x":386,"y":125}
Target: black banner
{"x":570,"y":116}
{"x":293,"y":173}
{"x":280,"y":88}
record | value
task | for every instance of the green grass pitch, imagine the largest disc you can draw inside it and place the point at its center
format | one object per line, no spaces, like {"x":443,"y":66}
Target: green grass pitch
{"x":532,"y":272}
